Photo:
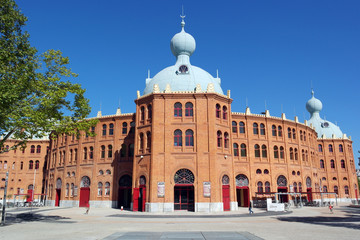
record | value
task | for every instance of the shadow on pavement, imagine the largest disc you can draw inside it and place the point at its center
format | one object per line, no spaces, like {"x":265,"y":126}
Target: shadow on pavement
{"x":33,"y":217}
{"x":350,"y":221}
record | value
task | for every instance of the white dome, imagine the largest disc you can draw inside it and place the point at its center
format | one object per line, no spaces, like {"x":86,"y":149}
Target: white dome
{"x":314,"y":104}
{"x":182,"y":43}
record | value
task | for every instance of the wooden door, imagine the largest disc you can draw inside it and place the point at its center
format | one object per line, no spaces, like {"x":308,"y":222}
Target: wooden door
{"x":29,"y":195}
{"x":226,"y":197}
{"x":84,"y":197}
{"x":57,"y":197}
{"x":143,"y":199}
{"x":136,"y":199}
{"x":309,"y":194}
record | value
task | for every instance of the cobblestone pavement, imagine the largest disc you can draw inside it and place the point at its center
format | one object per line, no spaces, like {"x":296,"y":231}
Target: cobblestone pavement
{"x":71,"y":223}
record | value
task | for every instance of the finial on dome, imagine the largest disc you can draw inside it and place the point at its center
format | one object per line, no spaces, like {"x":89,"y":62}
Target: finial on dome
{"x":312,"y":92}
{"x":182,"y":17}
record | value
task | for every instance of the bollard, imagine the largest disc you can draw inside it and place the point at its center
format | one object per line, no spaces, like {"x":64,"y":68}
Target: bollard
{"x":122,"y":208}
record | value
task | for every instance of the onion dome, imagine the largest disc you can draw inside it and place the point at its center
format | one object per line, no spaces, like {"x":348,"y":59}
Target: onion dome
{"x":182,"y":43}
{"x":314,"y":105}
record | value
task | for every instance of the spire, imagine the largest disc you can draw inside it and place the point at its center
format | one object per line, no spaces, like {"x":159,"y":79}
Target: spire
{"x":182,"y":18}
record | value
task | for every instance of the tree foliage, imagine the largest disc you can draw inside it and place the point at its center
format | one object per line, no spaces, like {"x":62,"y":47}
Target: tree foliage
{"x":36,"y":95}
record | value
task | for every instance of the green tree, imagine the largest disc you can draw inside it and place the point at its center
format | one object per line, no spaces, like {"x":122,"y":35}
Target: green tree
{"x":36,"y":95}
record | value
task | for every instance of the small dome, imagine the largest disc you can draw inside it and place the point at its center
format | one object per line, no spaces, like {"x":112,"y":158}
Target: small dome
{"x":182,"y":43}
{"x":313,"y":105}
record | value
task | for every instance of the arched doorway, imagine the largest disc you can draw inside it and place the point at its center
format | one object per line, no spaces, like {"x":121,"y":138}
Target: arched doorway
{"x":226,"y":192}
{"x":84,"y":191}
{"x":124,"y":198}
{"x":282,"y":188}
{"x":58,"y":192}
{"x":139,"y":195}
{"x":184,"y":190}
{"x":309,"y":189}
{"x":242,"y":190}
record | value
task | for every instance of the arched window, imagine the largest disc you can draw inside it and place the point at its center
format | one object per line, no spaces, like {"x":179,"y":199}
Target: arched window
{"x":255,"y":128}
{"x":295,"y":186}
{"x":279,"y":131}
{"x":301,"y":135}
{"x":101,"y":172}
{"x":243,"y":149}
{"x":142,"y":113}
{"x":266,"y":171}
{"x":91,"y":153}
{"x":21,"y":165}
{"x":291,"y":154}
{"x":110,"y":151}
{"x":177,"y":138}
{"x":303,"y":155}
{"x":322,"y":165}
{"x":123,"y":150}
{"x":71,"y":156}
{"x":234,"y":127}
{"x":273,"y":130}
{"x":263,"y":151}
{"x":93,"y":130}
{"x":342,"y":164}
{"x":131,"y":150}
{"x":72,"y":190}
{"x":242,"y":180}
{"x":184,"y":176}
{"x":257,"y":150}
{"x":224,"y":112}
{"x":102,"y":151}
{"x":336,"y":189}
{"x":241,"y":127}
{"x":219,"y":138}
{"x":189,"y":109}
{"x":267,"y":187}
{"x":258,"y":171}
{"x":108,"y":172}
{"x":346,"y":188}
{"x":325,"y":189}
{"x":111,"y":129}
{"x":262,"y":129}
{"x":281,"y":181}
{"x":75,"y":155}
{"x":132,"y":127}
{"x":260,"y":187}
{"x":124,"y":128}
{"x":100,"y":188}
{"x":177,"y":109}
{"x":31,"y":164}
{"x":37,"y":164}
{"x":141,"y":139}
{"x":148,"y":141}
{"x":296,"y":154}
{"x":276,"y":152}
{"x":330,"y":148}
{"x":300,"y":187}
{"x":32,"y":149}
{"x":67,"y":190}
{"x":218,"y":110}
{"x":341,"y":149}
{"x":107,"y":189}
{"x":104,"y":130}
{"x":289,"y":132}
{"x":226,"y":140}
{"x":225,"y":180}
{"x":236,"y":149}
{"x":282,"y":154}
{"x":332,"y":163}
{"x":294,"y":133}
{"x":149,"y":109}
{"x":85,"y":153}
{"x":189,"y":138}
{"x":38,"y":149}
{"x":320,"y":148}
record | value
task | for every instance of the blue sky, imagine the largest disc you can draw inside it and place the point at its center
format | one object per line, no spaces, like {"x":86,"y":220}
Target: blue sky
{"x":269,"y":52}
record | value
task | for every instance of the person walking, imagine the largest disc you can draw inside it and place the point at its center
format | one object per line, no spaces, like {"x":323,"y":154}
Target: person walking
{"x":250,"y":208}
{"x":331,"y":208}
{"x":87,"y":208}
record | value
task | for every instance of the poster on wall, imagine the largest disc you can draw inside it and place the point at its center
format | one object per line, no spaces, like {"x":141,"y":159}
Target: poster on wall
{"x":161,"y":189}
{"x":207,"y":188}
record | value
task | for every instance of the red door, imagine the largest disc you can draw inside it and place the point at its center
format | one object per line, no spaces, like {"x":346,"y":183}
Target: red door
{"x":246,"y":197}
{"x":136,"y":200}
{"x":84,"y":197}
{"x":226,"y":197}
{"x":283,"y":198}
{"x":143,"y":199}
{"x":309,"y":194}
{"x":29,"y":195}
{"x":57,"y":197}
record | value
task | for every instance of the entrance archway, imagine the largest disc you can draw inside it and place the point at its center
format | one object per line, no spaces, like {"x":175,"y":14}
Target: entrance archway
{"x":139,"y":195}
{"x":184,"y":190}
{"x":30,"y":193}
{"x":124,"y":198}
{"x":58,"y":192}
{"x":282,"y":188}
{"x":309,"y":189}
{"x":84,"y":191}
{"x":226,"y":192}
{"x":242,"y":190}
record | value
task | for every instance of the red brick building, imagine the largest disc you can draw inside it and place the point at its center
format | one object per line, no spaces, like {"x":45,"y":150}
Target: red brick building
{"x":184,"y":149}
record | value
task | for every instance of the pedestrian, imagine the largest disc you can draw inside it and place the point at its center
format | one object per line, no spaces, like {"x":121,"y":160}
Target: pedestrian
{"x":87,"y":208}
{"x":250,"y":208}
{"x":331,"y":208}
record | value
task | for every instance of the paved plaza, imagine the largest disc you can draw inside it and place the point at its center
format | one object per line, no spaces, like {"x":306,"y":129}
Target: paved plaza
{"x":71,"y":223}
